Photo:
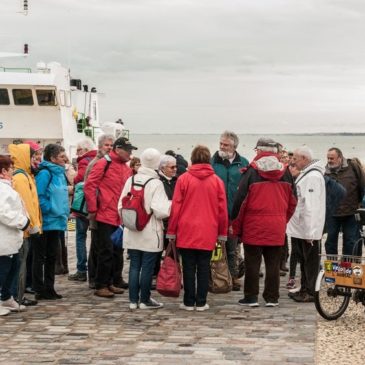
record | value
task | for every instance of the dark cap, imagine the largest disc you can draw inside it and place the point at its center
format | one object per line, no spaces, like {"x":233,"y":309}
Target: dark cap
{"x":124,"y":143}
{"x":266,"y":142}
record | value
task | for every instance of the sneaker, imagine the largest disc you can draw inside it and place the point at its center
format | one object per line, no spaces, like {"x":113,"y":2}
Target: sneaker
{"x":27,"y":302}
{"x":4,"y":311}
{"x":186,"y":307}
{"x":250,"y":302}
{"x":203,"y":308}
{"x":291,"y":284}
{"x":78,"y":276}
{"x":12,"y":305}
{"x":151,"y":304}
{"x":133,"y":306}
{"x":271,"y":304}
{"x":305,"y":298}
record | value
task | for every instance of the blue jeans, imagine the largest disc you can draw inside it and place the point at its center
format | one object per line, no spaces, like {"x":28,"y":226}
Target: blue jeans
{"x":350,"y":230}
{"x":141,"y":268}
{"x":82,"y":226}
{"x":196,"y":268}
{"x":8,"y":274}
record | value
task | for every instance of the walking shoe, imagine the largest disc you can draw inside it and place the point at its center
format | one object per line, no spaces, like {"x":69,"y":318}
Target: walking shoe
{"x":282,"y":273}
{"x":116,"y":290}
{"x":202,"y":308}
{"x":291,"y":284}
{"x":293,"y":294}
{"x":250,"y":302}
{"x":4,"y":311}
{"x":54,"y":295}
{"x":12,"y":305}
{"x":151,"y":304}
{"x":78,"y":276}
{"x":133,"y":306}
{"x":104,"y":293}
{"x":272,"y":304}
{"x":44,"y":296}
{"x":186,"y":307}
{"x":28,"y":302}
{"x":305,"y":298}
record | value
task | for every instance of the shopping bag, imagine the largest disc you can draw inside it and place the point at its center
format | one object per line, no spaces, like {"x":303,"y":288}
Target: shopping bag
{"x":168,"y":281}
{"x":220,"y":280}
{"x":117,"y":237}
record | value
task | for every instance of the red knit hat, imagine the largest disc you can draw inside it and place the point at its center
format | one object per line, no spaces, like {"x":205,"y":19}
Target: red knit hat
{"x":33,"y":145}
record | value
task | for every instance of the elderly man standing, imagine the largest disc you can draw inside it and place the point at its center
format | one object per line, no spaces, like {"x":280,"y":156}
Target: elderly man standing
{"x":349,"y":174}
{"x":265,"y":201}
{"x":306,"y":226}
{"x":102,"y":191}
{"x":227,"y":164}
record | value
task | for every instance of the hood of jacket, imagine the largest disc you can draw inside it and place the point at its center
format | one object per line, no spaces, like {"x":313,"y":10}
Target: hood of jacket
{"x":147,"y":171}
{"x":268,"y":166}
{"x":88,"y":154}
{"x":201,"y":170}
{"x":20,"y":154}
{"x":52,"y":167}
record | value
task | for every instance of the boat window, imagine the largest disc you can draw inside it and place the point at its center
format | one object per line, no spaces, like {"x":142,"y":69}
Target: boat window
{"x":4,"y":97}
{"x":23,"y":97}
{"x":46,"y":97}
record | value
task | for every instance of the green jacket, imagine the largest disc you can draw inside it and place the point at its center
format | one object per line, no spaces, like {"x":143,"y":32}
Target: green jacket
{"x":230,"y":173}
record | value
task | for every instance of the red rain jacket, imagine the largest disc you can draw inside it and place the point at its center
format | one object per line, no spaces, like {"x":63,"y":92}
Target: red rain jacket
{"x":199,"y":209}
{"x":82,"y":163}
{"x":103,"y":188}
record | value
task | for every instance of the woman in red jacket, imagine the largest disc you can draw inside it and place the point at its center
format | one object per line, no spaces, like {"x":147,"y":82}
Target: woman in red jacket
{"x":198,"y":219}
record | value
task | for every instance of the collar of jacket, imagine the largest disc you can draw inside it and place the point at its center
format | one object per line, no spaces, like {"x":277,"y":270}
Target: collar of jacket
{"x":219,"y":159}
{"x":147,"y":171}
{"x":4,"y":181}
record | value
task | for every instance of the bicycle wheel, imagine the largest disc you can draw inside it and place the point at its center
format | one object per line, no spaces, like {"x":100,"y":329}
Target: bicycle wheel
{"x":330,"y":300}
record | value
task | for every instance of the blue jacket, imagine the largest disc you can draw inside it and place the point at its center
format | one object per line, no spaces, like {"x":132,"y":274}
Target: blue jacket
{"x":230,"y":173}
{"x":53,"y":196}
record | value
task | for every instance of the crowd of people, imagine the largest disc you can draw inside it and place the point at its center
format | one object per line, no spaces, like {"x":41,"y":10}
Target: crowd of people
{"x":262,"y":205}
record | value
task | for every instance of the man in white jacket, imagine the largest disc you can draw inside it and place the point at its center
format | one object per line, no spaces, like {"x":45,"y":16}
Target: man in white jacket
{"x":306,"y":225}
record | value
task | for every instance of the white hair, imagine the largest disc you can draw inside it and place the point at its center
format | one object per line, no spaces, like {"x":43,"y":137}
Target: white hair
{"x":165,"y":160}
{"x":304,"y":151}
{"x":86,"y":144}
{"x":267,"y":149}
{"x":232,"y":136}
{"x":103,"y":138}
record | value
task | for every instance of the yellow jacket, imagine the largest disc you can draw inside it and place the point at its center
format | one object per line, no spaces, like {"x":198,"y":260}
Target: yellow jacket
{"x":25,"y":185}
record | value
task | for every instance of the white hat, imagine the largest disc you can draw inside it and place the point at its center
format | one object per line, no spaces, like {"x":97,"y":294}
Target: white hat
{"x":150,"y":158}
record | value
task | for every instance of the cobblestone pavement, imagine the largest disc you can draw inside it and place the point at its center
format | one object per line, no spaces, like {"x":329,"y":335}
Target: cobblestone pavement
{"x":84,"y":329}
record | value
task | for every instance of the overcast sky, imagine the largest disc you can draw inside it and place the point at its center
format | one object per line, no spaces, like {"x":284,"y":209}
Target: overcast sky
{"x":200,"y":66}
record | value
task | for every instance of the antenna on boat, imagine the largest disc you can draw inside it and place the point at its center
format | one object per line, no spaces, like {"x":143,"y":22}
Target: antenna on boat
{"x":24,"y":7}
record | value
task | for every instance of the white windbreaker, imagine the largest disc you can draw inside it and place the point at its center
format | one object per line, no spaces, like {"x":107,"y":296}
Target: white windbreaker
{"x":150,"y":239}
{"x":13,"y":219}
{"x":308,"y":220}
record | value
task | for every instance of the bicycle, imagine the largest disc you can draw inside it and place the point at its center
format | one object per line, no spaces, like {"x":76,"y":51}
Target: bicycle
{"x":341,"y":277}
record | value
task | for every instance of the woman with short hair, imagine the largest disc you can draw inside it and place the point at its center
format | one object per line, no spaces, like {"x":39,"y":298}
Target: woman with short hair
{"x":198,"y":220}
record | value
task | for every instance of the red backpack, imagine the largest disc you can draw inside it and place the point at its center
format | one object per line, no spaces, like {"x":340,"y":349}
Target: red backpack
{"x":133,"y":213}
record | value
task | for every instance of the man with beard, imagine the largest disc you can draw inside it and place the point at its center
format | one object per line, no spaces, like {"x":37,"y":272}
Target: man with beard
{"x":227,"y":164}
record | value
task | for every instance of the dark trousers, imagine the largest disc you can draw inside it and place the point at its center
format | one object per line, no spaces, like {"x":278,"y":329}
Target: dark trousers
{"x":21,"y":273}
{"x":91,"y":261}
{"x":196,"y":268}
{"x":44,"y":260}
{"x":293,"y":261}
{"x":8,"y":274}
{"x":272,"y":258}
{"x":108,"y":258}
{"x":232,"y":256}
{"x":308,"y":256}
{"x":350,"y":229}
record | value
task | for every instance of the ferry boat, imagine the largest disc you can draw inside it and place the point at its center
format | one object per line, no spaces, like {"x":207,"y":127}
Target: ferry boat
{"x":49,"y":106}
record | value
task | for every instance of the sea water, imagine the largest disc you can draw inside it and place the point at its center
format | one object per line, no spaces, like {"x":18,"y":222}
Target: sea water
{"x":351,"y":145}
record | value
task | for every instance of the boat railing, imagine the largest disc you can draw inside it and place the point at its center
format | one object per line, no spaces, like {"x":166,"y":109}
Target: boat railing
{"x":15,"y":69}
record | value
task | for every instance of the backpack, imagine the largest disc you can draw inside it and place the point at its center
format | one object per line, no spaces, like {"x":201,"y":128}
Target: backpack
{"x":133,"y":213}
{"x":79,"y":205}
